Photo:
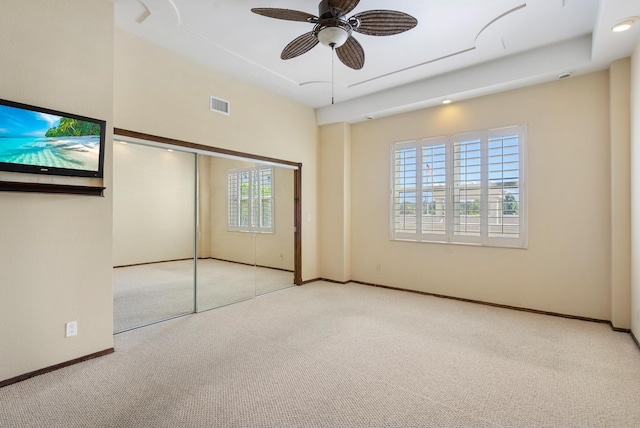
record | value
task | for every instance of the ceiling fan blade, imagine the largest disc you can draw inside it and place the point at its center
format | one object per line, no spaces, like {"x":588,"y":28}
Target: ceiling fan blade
{"x":299,"y":45}
{"x":345,"y":5}
{"x":384,"y":22}
{"x":351,"y":54}
{"x":286,"y":14}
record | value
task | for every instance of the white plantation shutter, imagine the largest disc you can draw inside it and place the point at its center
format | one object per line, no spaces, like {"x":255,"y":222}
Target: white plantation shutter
{"x":465,"y":188}
{"x":250,"y":200}
{"x":245,"y":195}
{"x":433,"y":177}
{"x":405,"y":193}
{"x":504,"y":165}
{"x":254,"y":195}
{"x":233,"y":201}
{"x":265,"y":199}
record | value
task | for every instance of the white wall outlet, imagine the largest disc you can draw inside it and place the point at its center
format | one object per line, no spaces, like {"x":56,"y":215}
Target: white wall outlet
{"x":379,"y":268}
{"x":72,"y":328}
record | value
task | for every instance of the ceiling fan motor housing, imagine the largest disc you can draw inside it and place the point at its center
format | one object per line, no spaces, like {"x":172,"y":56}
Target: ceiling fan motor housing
{"x":325,"y":10}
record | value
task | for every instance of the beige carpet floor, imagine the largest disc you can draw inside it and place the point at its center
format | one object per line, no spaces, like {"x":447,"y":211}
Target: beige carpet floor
{"x":329,"y":355}
{"x":151,"y":292}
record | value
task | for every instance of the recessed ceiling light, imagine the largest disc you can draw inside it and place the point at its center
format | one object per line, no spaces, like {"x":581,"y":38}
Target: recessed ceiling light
{"x":624,"y":25}
{"x":564,"y":75}
{"x":169,"y":150}
{"x":122,"y":142}
{"x":369,"y":117}
{"x":447,"y":101}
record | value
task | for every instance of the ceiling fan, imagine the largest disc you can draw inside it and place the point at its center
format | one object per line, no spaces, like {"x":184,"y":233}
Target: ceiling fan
{"x":332,"y":28}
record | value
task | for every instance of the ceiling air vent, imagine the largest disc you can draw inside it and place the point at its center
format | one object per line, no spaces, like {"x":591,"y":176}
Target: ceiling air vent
{"x":219,"y":105}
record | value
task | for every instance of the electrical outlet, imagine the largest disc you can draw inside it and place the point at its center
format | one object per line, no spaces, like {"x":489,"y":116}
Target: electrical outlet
{"x":72,"y":328}
{"x":449,"y":250}
{"x":379,"y":268}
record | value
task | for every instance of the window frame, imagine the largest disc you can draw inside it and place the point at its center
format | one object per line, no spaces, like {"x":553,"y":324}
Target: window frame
{"x":255,"y":203}
{"x":451,"y":235}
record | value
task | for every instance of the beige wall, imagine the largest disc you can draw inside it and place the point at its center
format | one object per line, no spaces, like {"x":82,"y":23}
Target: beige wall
{"x":567,"y":266}
{"x":635,"y":192}
{"x":55,"y":250}
{"x":160,"y":93}
{"x":204,"y":206}
{"x":335,"y":202}
{"x":619,"y":106}
{"x":153,"y":204}
{"x":268,"y":249}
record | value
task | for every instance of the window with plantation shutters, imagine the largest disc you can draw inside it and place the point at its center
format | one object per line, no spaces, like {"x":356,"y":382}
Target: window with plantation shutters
{"x":467,"y":187}
{"x":504,"y":171}
{"x":250,"y":200}
{"x":464,"y":188}
{"x":405,"y":190}
{"x":264,"y":205}
{"x":433,"y":191}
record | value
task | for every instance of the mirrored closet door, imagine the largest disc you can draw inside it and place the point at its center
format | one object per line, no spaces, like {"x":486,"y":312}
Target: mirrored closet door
{"x":245,"y":244}
{"x":154,"y":200}
{"x":274,"y":245}
{"x":226,"y":240}
{"x":193,"y":232}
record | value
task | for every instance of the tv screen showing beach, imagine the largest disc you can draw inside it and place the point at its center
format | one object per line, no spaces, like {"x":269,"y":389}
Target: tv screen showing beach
{"x":33,"y":138}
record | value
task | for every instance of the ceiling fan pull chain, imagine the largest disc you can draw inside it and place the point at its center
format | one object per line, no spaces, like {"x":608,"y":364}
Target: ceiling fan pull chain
{"x":333,"y":50}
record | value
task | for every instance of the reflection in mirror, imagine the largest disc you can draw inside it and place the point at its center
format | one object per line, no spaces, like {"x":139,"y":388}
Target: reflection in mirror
{"x":243,"y":212}
{"x":225,"y":272}
{"x":244,"y":233}
{"x":154,"y":222}
{"x":274,"y":249}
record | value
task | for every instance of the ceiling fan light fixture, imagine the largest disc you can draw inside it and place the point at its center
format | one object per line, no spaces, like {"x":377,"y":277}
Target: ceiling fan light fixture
{"x":333,"y":36}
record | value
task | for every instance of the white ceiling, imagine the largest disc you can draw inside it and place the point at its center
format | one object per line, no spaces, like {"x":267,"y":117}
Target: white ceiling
{"x":460,"y":48}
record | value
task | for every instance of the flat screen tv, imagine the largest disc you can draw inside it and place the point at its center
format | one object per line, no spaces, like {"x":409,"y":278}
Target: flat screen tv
{"x":43,"y":141}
